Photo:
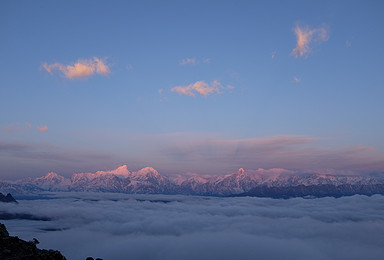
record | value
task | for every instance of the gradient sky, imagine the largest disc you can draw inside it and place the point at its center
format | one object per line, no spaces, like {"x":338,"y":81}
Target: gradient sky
{"x":191,"y":86}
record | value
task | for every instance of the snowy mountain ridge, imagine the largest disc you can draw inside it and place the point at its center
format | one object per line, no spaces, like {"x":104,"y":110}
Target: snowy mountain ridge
{"x":148,"y":180}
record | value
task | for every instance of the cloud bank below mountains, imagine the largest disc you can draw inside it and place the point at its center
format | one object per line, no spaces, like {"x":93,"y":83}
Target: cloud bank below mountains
{"x":118,"y":226}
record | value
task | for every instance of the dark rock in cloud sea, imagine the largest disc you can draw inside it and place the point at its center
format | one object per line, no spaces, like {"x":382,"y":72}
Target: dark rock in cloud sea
{"x":7,"y":198}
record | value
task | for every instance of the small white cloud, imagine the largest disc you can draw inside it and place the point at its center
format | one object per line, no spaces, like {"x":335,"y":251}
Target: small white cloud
{"x":186,"y":61}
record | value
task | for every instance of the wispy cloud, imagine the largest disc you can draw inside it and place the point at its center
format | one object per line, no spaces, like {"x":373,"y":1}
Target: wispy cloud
{"x":348,"y":43}
{"x":306,"y":36}
{"x":194,"y":61}
{"x":43,"y":128}
{"x":186,"y":61}
{"x":201,"y":87}
{"x":21,"y":128}
{"x":80,"y":69}
{"x":207,"y":60}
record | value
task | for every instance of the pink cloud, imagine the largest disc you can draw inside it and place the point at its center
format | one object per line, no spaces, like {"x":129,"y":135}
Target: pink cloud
{"x":305,"y":37}
{"x":200,"y":87}
{"x":101,"y":67}
{"x":43,"y":128}
{"x":80,"y":69}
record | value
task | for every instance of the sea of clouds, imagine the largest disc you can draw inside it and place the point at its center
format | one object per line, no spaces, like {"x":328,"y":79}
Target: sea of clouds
{"x":121,"y":226}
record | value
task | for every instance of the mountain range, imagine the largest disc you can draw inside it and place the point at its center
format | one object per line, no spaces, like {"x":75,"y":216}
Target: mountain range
{"x":278,"y":183}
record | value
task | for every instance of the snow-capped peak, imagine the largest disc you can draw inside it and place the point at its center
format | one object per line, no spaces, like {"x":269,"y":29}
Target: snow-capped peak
{"x":51,"y":175}
{"x":148,"y":171}
{"x":240,"y":171}
{"x":121,"y":171}
{"x":51,"y":178}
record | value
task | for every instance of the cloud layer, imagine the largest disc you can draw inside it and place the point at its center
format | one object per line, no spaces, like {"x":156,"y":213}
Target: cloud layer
{"x":176,"y":153}
{"x":26,"y":159}
{"x":117,"y":226}
{"x":80,"y":69}
{"x":306,"y":36}
{"x":298,"y":152}
{"x":200,"y":87}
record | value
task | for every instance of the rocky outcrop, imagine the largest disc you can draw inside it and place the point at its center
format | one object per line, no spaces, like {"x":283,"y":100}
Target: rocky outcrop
{"x":7,"y":198}
{"x":14,"y":248}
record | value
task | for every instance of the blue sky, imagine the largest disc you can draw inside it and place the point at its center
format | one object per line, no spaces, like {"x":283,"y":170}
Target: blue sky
{"x":191,"y":86}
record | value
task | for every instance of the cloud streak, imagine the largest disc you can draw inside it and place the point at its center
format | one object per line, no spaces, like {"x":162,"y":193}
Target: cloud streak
{"x":306,"y":36}
{"x":200,"y":87}
{"x":22,"y":128}
{"x":80,"y":69}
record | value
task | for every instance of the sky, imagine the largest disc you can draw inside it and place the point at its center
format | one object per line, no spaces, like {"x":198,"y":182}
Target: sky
{"x":191,"y":86}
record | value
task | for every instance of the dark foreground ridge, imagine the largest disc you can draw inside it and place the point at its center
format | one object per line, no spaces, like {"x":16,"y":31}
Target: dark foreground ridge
{"x":7,"y":198}
{"x":13,"y":248}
